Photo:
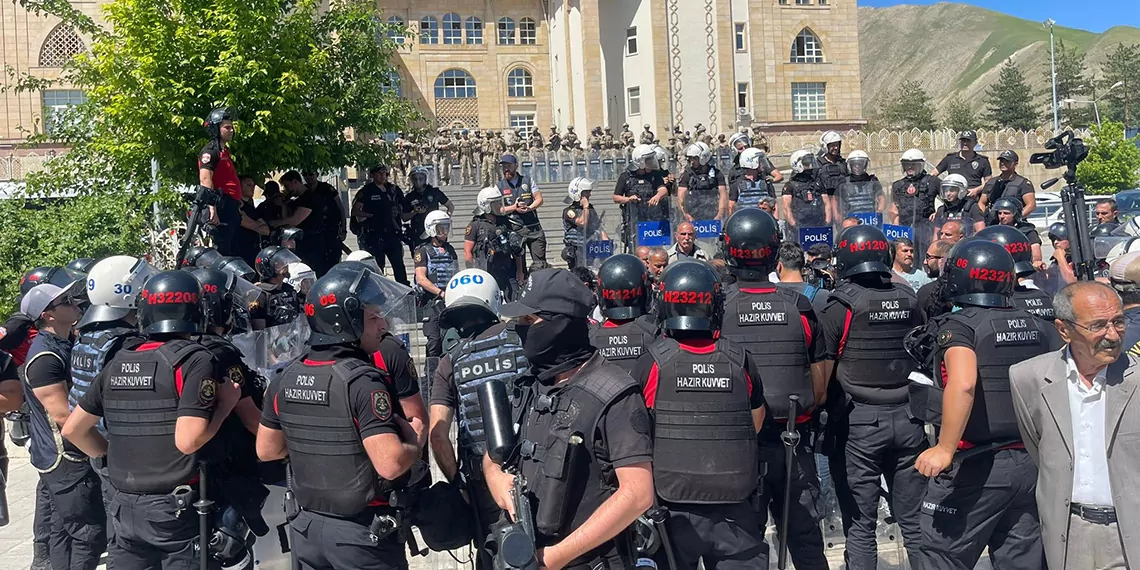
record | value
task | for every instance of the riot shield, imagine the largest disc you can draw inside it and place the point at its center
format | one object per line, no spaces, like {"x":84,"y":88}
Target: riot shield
{"x":580,"y":163}
{"x":863,"y":200}
{"x":594,"y":166}
{"x":526,"y":167}
{"x":609,"y":170}
{"x":621,"y":161}
{"x":596,"y":245}
{"x":269,"y":351}
{"x":553,"y":166}
{"x":918,"y":229}
{"x":645,"y":226}
{"x":702,"y":210}
{"x":567,"y":169}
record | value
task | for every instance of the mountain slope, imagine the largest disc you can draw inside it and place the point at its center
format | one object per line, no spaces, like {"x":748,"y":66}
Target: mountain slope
{"x":957,"y":49}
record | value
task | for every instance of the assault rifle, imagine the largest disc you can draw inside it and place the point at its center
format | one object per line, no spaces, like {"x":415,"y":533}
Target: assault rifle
{"x":513,"y":545}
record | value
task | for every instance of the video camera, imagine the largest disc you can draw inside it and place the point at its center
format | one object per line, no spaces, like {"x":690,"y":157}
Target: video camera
{"x":1067,"y":150}
{"x":819,"y":274}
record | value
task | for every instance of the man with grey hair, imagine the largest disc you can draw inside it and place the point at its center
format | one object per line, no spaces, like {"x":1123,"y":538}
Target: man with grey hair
{"x":1079,"y":422}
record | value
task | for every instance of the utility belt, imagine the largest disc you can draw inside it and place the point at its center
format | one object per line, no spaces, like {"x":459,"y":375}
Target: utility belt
{"x":181,"y":499}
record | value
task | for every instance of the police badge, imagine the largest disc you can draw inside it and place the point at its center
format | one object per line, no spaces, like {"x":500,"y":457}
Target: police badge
{"x":206,"y":392}
{"x":235,"y":375}
{"x":944,"y":337}
{"x":381,"y":405}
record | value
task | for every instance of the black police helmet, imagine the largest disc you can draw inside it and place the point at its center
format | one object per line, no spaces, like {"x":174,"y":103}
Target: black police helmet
{"x":749,"y":243}
{"x":1010,"y":205}
{"x":57,"y":276}
{"x":80,"y":267}
{"x":236,"y":266}
{"x":271,"y":260}
{"x":201,"y":256}
{"x":1103,"y":230}
{"x":171,"y":302}
{"x":214,"y":121}
{"x":690,"y":297}
{"x":335,"y":304}
{"x":862,"y":249}
{"x":217,"y":295}
{"x":1015,"y":243}
{"x":1058,"y":231}
{"x":623,"y":287}
{"x":978,"y":272}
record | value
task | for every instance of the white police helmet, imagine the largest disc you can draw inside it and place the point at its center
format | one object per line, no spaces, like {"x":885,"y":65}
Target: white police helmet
{"x":577,"y":187}
{"x":802,"y":160}
{"x":365,"y":258}
{"x":661,"y":156}
{"x":913,"y":158}
{"x":953,"y":183}
{"x":828,"y":138}
{"x":699,"y":151}
{"x":751,"y":158}
{"x":858,"y":161}
{"x":301,"y":277}
{"x":113,"y":285}
{"x":643,"y":156}
{"x":489,"y":201}
{"x":437,"y":223}
{"x":470,"y":289}
{"x":739,"y":138}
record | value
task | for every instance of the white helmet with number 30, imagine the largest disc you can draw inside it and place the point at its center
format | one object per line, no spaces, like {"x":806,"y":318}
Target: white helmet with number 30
{"x":751,"y":158}
{"x":113,"y":285}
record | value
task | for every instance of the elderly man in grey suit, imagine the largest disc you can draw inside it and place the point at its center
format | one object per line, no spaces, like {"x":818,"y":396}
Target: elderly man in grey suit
{"x":1081,"y":424}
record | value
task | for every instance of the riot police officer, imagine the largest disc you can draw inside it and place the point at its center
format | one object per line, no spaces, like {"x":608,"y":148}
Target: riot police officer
{"x":280,"y":303}
{"x":778,"y":328}
{"x":706,"y":465}
{"x":986,"y":495}
{"x":335,"y":419}
{"x":753,"y":181}
{"x":912,"y":196}
{"x":640,"y":191}
{"x":490,"y":244}
{"x":435,"y":263}
{"x":521,"y":200}
{"x":803,"y":204}
{"x":623,"y":297}
{"x":216,"y":171}
{"x":580,"y":223}
{"x":702,"y":193}
{"x":483,"y":349}
{"x":1031,"y":300}
{"x":956,"y":206}
{"x":860,"y":191}
{"x":162,"y":404}
{"x":831,"y":169}
{"x":379,"y":209}
{"x":593,"y":471}
{"x":864,"y":324}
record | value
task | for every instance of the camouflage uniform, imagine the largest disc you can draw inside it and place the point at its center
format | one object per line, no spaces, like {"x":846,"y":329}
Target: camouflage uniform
{"x":647,"y":136}
{"x":570,"y":139}
{"x":535,"y":140}
{"x":554,"y":142}
{"x":608,"y":142}
{"x":401,"y":155}
{"x":466,"y":158}
{"x":626,"y":136}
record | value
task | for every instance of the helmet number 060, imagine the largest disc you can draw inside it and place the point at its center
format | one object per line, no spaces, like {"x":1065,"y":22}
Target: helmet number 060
{"x":466,"y":280}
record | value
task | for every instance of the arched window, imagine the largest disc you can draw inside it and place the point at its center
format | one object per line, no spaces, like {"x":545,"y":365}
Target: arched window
{"x":454,"y":84}
{"x":397,"y":32}
{"x":528,"y":32}
{"x":807,"y":48}
{"x":520,"y":83}
{"x":452,"y":29}
{"x":429,"y":30}
{"x":474,"y":30}
{"x":60,"y":45}
{"x":391,"y":84}
{"x":506,"y":32}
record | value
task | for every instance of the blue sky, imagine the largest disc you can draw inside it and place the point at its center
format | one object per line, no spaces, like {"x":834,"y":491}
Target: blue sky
{"x":1094,"y":16}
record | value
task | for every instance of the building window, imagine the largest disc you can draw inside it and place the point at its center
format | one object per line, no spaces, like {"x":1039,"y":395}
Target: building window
{"x":524,"y":121}
{"x":452,"y":29}
{"x":631,"y":41}
{"x":391,"y":83}
{"x":528,"y":32}
{"x":809,"y":101}
{"x":741,"y":95}
{"x":784,"y":2}
{"x":454,"y":84}
{"x":474,"y":30}
{"x":56,"y":104}
{"x":60,"y":45}
{"x":823,"y":2}
{"x":506,"y":32}
{"x":634,"y":101}
{"x":397,"y":32}
{"x":807,"y":48}
{"x":429,"y":30}
{"x":520,"y":83}
{"x":741,"y":37}
{"x":803,"y":2}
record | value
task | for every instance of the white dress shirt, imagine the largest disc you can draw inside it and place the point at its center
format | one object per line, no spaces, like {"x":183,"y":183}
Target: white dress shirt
{"x":1090,"y":460}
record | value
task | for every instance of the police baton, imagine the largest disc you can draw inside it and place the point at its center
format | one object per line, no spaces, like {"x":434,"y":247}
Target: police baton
{"x":3,"y":498}
{"x":204,"y":506}
{"x":791,"y":439}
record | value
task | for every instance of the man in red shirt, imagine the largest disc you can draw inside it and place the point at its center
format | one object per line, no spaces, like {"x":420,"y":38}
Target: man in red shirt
{"x":216,"y":171}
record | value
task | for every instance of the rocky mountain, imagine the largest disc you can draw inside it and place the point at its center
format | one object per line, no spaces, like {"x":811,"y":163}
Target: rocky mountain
{"x":958,"y":49}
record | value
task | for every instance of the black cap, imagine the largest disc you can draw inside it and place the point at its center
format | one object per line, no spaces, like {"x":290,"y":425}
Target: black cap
{"x":552,"y":291}
{"x":968,"y":136}
{"x":1008,"y":155}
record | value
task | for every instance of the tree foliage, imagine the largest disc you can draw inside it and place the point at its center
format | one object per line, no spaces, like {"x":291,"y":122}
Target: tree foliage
{"x":1122,"y":67}
{"x":958,"y":116}
{"x":909,"y":108}
{"x":1113,"y":163}
{"x":1009,"y":101}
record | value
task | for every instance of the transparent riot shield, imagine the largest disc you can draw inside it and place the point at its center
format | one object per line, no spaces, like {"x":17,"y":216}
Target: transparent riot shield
{"x":596,"y":243}
{"x":581,"y":164}
{"x":708,"y":235}
{"x":643,"y":225}
{"x":270,"y":351}
{"x":621,"y":161}
{"x":702,"y":209}
{"x":456,"y":172}
{"x":862,"y":200}
{"x":526,"y":167}
{"x":433,"y":176}
{"x":609,"y":170}
{"x":594,"y":166}
{"x":553,"y":166}
{"x":918,"y":229}
{"x":566,"y":169}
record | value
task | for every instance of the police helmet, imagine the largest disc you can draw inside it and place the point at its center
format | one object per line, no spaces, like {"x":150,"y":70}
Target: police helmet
{"x":301,"y":277}
{"x":1015,"y":242}
{"x":749,"y":243}
{"x":751,"y":158}
{"x":57,"y":276}
{"x":690,"y":297}
{"x":437,"y":223}
{"x":113,"y":285}
{"x":700,"y":152}
{"x":978,"y":272}
{"x":577,"y":187}
{"x":1011,"y":205}
{"x":418,"y":176}
{"x":739,"y":138}
{"x":953,"y":188}
{"x":1103,"y":230}
{"x":274,"y":261}
{"x":1058,"y":231}
{"x":913,"y":159}
{"x":217,"y":295}
{"x":365,"y":258}
{"x":79,"y":267}
{"x":643,"y":156}
{"x":201,"y":256}
{"x":661,"y":156}
{"x":335,"y":305}
{"x":472,"y":296}
{"x":236,"y":266}
{"x":171,"y":302}
{"x":489,"y":201}
{"x":830,"y":137}
{"x":857,"y":162}
{"x":214,"y":121}
{"x":862,"y":249}
{"x":290,"y":234}
{"x":802,"y":161}
{"x":623,"y":287}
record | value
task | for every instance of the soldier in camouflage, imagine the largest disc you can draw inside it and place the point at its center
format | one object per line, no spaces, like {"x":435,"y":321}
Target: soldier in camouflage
{"x":627,"y":137}
{"x":535,"y":140}
{"x":647,"y":136}
{"x":608,"y":142}
{"x":570,"y":139}
{"x":466,"y":149}
{"x":554,"y":142}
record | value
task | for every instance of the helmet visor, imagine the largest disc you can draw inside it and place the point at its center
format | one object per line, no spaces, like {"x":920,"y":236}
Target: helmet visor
{"x":245,"y":294}
{"x":208,"y":259}
{"x":808,"y":161}
{"x":391,"y":300}
{"x":237,"y":267}
{"x":913,"y":166}
{"x":646,"y":161}
{"x":281,"y":260}
{"x":950,"y":192}
{"x":858,"y":166}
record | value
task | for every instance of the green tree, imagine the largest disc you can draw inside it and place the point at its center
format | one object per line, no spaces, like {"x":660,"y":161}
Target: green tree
{"x":958,"y":116}
{"x":1119,"y":87}
{"x":1113,"y":163}
{"x":1009,"y":101}
{"x":1071,"y":84}
{"x":909,"y":108}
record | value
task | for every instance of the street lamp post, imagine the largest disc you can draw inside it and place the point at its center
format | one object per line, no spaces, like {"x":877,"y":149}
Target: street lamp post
{"x":1096,"y":110}
{"x":1053,"y":67}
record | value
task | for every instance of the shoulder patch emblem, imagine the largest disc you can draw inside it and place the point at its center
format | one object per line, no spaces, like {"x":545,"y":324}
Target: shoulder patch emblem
{"x":382,"y":405}
{"x":467,"y":232}
{"x":571,"y":213}
{"x":235,"y":375}
{"x":945,"y":337}
{"x":207,"y":391}
{"x":205,"y":158}
{"x":419,"y":257}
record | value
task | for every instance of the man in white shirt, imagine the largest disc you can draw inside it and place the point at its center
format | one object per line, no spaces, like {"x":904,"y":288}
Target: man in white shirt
{"x":685,"y":246}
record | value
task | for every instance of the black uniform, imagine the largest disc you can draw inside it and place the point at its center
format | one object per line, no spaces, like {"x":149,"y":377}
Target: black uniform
{"x":332,"y":222}
{"x":644,"y":185}
{"x":8,"y":373}
{"x":140,"y":394}
{"x":1016,"y":186}
{"x":248,"y":242}
{"x":1035,"y":302}
{"x":380,"y":235}
{"x":778,"y":328}
{"x":574,"y":237}
{"x":496,"y":249}
{"x":520,"y":190}
{"x":702,"y":198}
{"x":807,"y":200}
{"x":864,"y":324}
{"x":397,"y":370}
{"x":313,"y":247}
{"x":988,"y":499}
{"x":914,"y":198}
{"x":747,"y":193}
{"x":441,"y":263}
{"x":705,"y":461}
{"x":859,"y":194}
{"x":623,"y":342}
{"x":831,"y":172}
{"x":78,"y":519}
{"x":279,"y":304}
{"x":966,"y":211}
{"x":974,"y":169}
{"x":432,"y":199}
{"x":326,"y":404}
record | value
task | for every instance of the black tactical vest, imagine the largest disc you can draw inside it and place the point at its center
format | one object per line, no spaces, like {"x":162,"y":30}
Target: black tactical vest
{"x":141,"y":391}
{"x":236,"y":439}
{"x":703,"y":196}
{"x":624,"y":343}
{"x":807,"y":202}
{"x":872,"y":366}
{"x":282,"y":305}
{"x":521,"y":191}
{"x":1035,"y":302}
{"x":47,"y":448}
{"x":831,"y":175}
{"x":442,"y":264}
{"x":770,"y":327}
{"x":332,"y":473}
{"x":1002,"y":338}
{"x":565,"y":480}
{"x":704,"y":439}
{"x":858,"y":196}
{"x":749,"y":192}
{"x":474,"y":362}
{"x":918,"y":206}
